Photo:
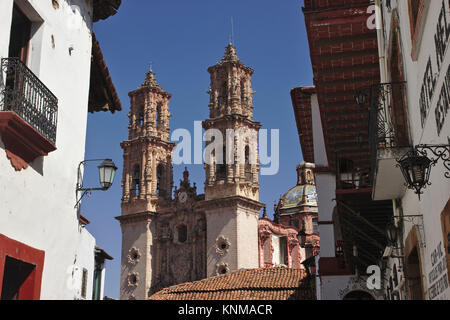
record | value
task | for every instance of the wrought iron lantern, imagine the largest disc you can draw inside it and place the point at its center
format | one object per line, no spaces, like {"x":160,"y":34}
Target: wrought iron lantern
{"x":416,"y":165}
{"x":392,"y":233}
{"x":107,"y":171}
{"x":361,"y":99}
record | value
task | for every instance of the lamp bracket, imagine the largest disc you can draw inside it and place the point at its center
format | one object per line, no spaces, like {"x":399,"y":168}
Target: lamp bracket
{"x":438,"y":151}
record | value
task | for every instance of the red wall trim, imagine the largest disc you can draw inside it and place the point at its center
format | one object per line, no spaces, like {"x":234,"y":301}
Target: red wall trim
{"x":31,"y":289}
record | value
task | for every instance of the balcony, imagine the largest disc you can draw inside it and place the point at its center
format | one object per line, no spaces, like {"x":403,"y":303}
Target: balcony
{"x":28,"y":114}
{"x":389,"y":139}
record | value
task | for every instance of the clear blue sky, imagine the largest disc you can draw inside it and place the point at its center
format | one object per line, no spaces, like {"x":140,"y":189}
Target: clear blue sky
{"x":182,"y":39}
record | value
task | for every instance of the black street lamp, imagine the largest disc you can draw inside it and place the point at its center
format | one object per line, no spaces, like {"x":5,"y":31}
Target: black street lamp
{"x":416,"y":165}
{"x":392,"y":233}
{"x":106,"y":170}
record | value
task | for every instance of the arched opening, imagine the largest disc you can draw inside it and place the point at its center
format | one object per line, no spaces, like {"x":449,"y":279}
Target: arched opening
{"x":140,"y":119}
{"x":158,"y":115}
{"x":160,"y":180}
{"x":221,"y":166}
{"x":248,"y":166}
{"x":182,"y":233}
{"x":414,"y":276}
{"x":136,"y":182}
{"x":223,"y":98}
{"x":358,"y":295}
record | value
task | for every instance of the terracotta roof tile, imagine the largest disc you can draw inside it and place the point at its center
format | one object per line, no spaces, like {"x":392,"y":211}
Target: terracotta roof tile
{"x":251,"y":284}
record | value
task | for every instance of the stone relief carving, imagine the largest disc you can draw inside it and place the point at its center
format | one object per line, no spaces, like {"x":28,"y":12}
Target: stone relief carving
{"x":133,"y":279}
{"x":222,"y":269}
{"x":222,"y":246}
{"x":134,"y":255}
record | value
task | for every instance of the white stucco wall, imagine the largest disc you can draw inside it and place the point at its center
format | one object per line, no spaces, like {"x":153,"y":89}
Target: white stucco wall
{"x":37,"y":204}
{"x":437,"y":195}
{"x":84,"y":260}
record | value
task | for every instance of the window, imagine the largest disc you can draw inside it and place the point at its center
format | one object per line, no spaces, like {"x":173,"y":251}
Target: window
{"x":158,"y":115}
{"x":182,"y":233}
{"x":248,"y":166}
{"x":160,"y":181}
{"x":20,"y":35}
{"x":84,"y":279}
{"x":22,"y":268}
{"x":283,"y":251}
{"x":221,"y":168}
{"x":140,"y":119}
{"x":16,"y":273}
{"x":136,"y":183}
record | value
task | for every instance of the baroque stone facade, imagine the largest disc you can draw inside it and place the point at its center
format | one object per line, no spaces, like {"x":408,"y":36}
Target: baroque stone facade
{"x":172,"y":235}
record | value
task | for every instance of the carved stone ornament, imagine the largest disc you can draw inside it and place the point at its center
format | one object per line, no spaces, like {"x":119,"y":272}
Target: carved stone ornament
{"x":133,"y":279}
{"x":134,"y":255}
{"x":222,"y":246}
{"x":222,"y":269}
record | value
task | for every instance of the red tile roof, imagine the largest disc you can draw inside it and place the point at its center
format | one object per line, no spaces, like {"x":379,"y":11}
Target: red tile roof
{"x":251,"y":284}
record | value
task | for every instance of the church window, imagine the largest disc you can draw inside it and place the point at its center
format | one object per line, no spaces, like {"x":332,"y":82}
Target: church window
{"x":182,"y":233}
{"x":158,"y":115}
{"x":140,"y":119}
{"x":222,"y":269}
{"x":222,"y":246}
{"x":221,"y":167}
{"x":223,"y":94}
{"x":248,"y":166}
{"x":136,"y":184}
{"x":159,"y":180}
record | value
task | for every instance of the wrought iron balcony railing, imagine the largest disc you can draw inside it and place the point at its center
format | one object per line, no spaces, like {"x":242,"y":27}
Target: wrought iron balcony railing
{"x":388,"y":118}
{"x":23,"y":93}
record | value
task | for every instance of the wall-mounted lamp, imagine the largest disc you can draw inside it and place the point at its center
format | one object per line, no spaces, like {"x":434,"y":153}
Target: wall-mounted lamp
{"x":361,"y":99}
{"x":392,"y":233}
{"x":416,"y":165}
{"x":107,"y":171}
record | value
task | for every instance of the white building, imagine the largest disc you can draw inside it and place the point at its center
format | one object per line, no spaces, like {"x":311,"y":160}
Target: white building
{"x":46,"y":50}
{"x":392,"y":56}
{"x":413,"y":44}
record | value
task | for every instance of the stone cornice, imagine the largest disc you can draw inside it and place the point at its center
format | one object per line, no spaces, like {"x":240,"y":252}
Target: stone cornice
{"x":230,"y":201}
{"x":236,"y":63}
{"x":234,"y":118}
{"x":152,"y":139}
{"x":136,"y":217}
{"x":150,"y":89}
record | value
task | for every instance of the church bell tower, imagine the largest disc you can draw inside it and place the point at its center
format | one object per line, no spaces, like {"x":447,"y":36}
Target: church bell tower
{"x":147,"y":183}
{"x":231,"y":165}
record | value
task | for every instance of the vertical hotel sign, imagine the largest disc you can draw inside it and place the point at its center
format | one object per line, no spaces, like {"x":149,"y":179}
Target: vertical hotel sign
{"x":430,"y":78}
{"x":437,"y":278}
